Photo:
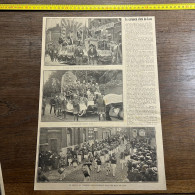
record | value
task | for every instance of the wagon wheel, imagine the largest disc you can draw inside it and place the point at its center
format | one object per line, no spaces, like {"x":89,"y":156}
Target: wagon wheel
{"x":59,"y":59}
{"x":82,"y":113}
{"x":102,"y":117}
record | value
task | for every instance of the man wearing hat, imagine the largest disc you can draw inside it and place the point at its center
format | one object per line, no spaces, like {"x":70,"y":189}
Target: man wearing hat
{"x":43,"y":106}
{"x":101,"y":106}
{"x":76,"y":108}
{"x":92,"y":55}
{"x":78,"y":54}
{"x":86,"y":171}
{"x":113,"y":164}
{"x":52,"y":105}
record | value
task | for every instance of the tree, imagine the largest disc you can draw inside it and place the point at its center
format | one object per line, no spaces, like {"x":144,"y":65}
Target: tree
{"x":53,"y":84}
{"x":106,"y":79}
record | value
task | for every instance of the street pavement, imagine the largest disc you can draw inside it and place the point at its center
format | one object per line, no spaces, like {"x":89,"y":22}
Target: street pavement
{"x":76,"y":175}
{"x":69,"y":117}
{"x":48,"y":62}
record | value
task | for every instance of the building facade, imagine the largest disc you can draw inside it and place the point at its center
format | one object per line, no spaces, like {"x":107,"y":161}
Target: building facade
{"x":139,"y":133}
{"x":102,"y":28}
{"x":56,"y":139}
{"x":52,"y":36}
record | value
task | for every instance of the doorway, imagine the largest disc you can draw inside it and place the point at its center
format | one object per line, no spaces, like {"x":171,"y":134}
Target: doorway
{"x":69,"y":137}
{"x":54,"y":145}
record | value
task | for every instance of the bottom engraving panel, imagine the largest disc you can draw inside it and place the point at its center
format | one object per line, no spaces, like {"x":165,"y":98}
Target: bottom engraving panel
{"x":97,"y":154}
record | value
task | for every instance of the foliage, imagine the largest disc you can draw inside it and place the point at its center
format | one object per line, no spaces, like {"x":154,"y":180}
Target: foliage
{"x":106,"y":79}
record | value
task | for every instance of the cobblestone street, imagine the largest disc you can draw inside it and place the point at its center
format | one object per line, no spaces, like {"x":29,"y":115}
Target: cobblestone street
{"x":76,"y":175}
{"x":69,"y":117}
{"x":48,"y":62}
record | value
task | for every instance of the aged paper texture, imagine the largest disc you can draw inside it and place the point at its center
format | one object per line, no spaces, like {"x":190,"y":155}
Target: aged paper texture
{"x":2,"y":191}
{"x":99,"y":111}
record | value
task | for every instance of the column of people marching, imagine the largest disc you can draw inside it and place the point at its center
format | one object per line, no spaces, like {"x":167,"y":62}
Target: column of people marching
{"x":138,"y":156}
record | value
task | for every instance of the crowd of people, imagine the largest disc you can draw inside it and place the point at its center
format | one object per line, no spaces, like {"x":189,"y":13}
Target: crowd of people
{"x":142,"y":165}
{"x":136,"y":154}
{"x":88,"y":155}
{"x":53,"y":52}
{"x":77,"y":98}
{"x":80,"y":57}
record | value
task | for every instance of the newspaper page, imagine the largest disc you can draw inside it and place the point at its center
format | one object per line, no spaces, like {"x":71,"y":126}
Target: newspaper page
{"x":2,"y":191}
{"x":99,"y":111}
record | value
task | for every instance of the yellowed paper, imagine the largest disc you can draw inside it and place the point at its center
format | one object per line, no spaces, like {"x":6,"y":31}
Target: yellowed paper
{"x":2,"y":191}
{"x":99,"y":111}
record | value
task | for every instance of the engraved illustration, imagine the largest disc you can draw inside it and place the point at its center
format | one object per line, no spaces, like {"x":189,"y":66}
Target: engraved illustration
{"x":83,"y":41}
{"x":82,"y":95}
{"x":97,"y":154}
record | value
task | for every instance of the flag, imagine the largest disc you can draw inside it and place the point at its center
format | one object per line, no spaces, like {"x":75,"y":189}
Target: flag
{"x":63,"y":29}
